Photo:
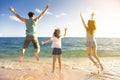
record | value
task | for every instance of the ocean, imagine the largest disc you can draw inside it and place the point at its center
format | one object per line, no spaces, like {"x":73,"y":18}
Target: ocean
{"x":11,"y":46}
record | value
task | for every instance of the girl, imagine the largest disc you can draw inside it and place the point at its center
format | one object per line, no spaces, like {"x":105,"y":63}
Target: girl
{"x":91,"y":43}
{"x":56,"y":45}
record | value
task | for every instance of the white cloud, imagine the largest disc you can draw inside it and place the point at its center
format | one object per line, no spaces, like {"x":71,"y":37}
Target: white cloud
{"x":40,"y":11}
{"x":3,"y":14}
{"x":50,"y":13}
{"x":60,"y":15}
{"x":14,"y":18}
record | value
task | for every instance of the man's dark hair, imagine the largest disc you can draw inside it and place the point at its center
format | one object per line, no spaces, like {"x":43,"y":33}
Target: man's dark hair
{"x":30,"y":14}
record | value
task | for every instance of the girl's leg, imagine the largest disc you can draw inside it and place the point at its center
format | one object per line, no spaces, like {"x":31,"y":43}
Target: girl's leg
{"x":59,"y":61}
{"x":22,"y":55}
{"x":90,"y":57}
{"x":54,"y":61}
{"x":96,"y":57}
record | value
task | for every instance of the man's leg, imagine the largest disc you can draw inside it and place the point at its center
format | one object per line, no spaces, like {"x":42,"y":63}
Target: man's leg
{"x":36,"y":54}
{"x":25,"y":45}
{"x":22,"y":55}
{"x":36,"y":46}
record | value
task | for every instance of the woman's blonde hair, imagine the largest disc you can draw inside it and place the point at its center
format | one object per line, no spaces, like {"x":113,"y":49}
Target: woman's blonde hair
{"x":91,"y":26}
{"x":57,"y":33}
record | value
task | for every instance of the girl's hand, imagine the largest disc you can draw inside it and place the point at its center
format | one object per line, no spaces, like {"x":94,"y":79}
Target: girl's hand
{"x":42,"y":42}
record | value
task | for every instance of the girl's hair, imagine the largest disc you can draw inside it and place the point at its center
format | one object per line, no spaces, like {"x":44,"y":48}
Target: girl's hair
{"x":57,"y":33}
{"x":91,"y":26}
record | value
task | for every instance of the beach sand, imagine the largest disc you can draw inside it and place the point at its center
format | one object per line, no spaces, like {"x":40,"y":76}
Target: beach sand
{"x":72,"y":69}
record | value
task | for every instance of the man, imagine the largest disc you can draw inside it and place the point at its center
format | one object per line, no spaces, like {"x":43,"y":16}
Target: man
{"x":30,"y":31}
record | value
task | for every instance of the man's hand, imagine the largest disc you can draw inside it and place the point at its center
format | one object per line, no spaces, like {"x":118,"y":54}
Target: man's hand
{"x":11,"y":9}
{"x":47,"y":6}
{"x":80,"y":14}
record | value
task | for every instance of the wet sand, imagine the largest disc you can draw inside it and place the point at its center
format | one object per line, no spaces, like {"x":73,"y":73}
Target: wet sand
{"x":72,"y":69}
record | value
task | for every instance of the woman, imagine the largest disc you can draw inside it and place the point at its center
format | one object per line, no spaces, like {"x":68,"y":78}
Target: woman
{"x":91,"y":43}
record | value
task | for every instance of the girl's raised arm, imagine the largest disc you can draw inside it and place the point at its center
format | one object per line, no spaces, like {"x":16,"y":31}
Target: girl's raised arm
{"x":83,"y":21}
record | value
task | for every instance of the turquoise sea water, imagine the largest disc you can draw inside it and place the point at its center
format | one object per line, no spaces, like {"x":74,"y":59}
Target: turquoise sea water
{"x":11,"y":46}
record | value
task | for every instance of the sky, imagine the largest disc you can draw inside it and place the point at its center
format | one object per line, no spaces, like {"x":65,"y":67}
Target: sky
{"x":62,"y":14}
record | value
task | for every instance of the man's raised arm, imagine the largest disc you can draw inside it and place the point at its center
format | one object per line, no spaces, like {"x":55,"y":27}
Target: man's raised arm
{"x":18,"y":16}
{"x":42,"y":14}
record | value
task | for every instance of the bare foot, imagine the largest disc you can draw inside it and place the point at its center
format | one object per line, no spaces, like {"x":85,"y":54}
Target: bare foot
{"x":95,"y":73}
{"x":52,"y":71}
{"x":95,"y":63}
{"x":60,"y":71}
{"x":37,"y":57}
{"x":101,"y":67}
{"x":21,"y":59}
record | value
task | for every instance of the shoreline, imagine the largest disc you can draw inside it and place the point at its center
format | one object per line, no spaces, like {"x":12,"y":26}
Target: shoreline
{"x":65,"y":54}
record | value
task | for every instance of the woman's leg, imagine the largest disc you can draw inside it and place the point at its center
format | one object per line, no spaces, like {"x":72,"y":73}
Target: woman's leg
{"x":90,"y":57}
{"x":54,"y":61}
{"x":59,"y":61}
{"x":96,"y":57}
